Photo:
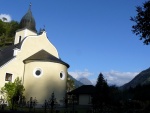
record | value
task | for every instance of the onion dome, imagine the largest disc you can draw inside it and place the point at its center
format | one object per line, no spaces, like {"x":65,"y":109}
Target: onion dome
{"x":28,"y":21}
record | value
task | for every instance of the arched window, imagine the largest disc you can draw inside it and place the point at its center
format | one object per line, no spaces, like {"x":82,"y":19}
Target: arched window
{"x":19,"y":39}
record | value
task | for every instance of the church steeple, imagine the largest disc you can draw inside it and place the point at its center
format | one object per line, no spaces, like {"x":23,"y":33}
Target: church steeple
{"x":28,"y":21}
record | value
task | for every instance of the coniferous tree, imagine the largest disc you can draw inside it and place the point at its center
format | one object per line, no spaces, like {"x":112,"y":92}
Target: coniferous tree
{"x":101,"y":82}
{"x":101,"y":91}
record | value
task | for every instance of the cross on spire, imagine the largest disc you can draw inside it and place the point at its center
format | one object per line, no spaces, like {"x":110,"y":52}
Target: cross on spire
{"x":30,"y":6}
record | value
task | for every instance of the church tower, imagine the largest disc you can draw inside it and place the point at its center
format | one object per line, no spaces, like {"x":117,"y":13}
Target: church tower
{"x":27,"y":27}
{"x":28,"y":21}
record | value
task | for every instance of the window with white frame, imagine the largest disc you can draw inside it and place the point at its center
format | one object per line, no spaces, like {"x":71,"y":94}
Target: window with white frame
{"x":37,"y":72}
{"x":62,"y":75}
{"x":8,"y":77}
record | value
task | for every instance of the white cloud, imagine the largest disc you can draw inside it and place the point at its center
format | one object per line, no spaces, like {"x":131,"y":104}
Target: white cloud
{"x":93,"y":81}
{"x":118,"y":78}
{"x":80,"y":74}
{"x":112,"y":77}
{"x":7,"y":16}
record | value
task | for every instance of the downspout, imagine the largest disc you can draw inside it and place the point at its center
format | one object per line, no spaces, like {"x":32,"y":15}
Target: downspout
{"x":23,"y":74}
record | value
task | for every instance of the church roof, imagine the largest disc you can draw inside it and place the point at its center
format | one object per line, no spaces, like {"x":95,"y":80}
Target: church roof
{"x":84,"y":89}
{"x":28,"y":21}
{"x":43,"y":55}
{"x":6,"y":54}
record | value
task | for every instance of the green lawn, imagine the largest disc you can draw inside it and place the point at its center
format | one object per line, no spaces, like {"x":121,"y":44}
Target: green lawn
{"x":41,"y":110}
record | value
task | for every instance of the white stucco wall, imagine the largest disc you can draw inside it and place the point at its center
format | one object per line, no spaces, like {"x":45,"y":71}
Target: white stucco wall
{"x":30,"y":46}
{"x":42,"y":87}
{"x":33,"y":44}
{"x":23,"y":33}
{"x":50,"y":81}
{"x":15,"y":67}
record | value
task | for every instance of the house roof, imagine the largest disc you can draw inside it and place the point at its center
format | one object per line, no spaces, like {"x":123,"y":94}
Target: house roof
{"x":6,"y":54}
{"x":43,"y":55}
{"x":85,"y":89}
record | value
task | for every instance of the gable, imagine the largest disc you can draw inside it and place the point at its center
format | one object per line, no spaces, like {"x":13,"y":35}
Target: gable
{"x":43,"y":55}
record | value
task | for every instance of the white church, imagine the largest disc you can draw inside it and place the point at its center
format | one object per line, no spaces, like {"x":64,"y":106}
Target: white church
{"x":35,"y":60}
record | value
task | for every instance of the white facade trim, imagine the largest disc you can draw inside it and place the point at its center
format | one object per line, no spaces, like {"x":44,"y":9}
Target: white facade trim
{"x":44,"y":33}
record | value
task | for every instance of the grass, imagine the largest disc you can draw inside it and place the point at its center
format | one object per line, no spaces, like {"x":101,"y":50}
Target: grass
{"x":41,"y":110}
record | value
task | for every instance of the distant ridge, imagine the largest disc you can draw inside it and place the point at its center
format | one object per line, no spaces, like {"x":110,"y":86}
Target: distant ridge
{"x":76,"y":82}
{"x":85,"y":81}
{"x":143,"y":78}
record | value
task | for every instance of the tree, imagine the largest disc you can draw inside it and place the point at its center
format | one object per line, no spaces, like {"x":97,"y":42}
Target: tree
{"x":101,"y":82}
{"x":70,"y":84}
{"x":4,"y":19}
{"x":52,"y":102}
{"x":101,"y":91}
{"x":114,"y":95}
{"x":7,"y":32}
{"x":12,"y":91}
{"x":142,"y":20}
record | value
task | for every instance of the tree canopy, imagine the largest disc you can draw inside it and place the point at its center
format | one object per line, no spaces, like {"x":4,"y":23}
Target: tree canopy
{"x":70,"y":84}
{"x":102,"y":91}
{"x":101,"y":82}
{"x":12,"y":91}
{"x":7,"y":32}
{"x":142,"y":22}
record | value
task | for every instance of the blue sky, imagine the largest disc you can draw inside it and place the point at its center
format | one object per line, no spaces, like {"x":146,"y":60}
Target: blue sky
{"x":92,"y":36}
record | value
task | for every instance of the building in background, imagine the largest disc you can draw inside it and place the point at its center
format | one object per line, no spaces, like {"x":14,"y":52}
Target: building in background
{"x":83,"y":94}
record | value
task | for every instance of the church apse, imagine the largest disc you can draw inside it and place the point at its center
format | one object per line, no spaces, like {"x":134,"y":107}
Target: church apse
{"x":42,"y":79}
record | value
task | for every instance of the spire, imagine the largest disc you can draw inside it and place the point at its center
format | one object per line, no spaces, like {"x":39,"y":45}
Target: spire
{"x":28,"y":21}
{"x":30,"y":6}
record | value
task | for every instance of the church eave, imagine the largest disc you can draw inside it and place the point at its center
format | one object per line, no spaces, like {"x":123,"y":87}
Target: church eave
{"x":26,"y":28}
{"x":42,"y":60}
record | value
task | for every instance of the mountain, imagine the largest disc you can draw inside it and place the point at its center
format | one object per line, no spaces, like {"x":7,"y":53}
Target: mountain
{"x":76,"y":82}
{"x":143,"y":78}
{"x":85,"y":81}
